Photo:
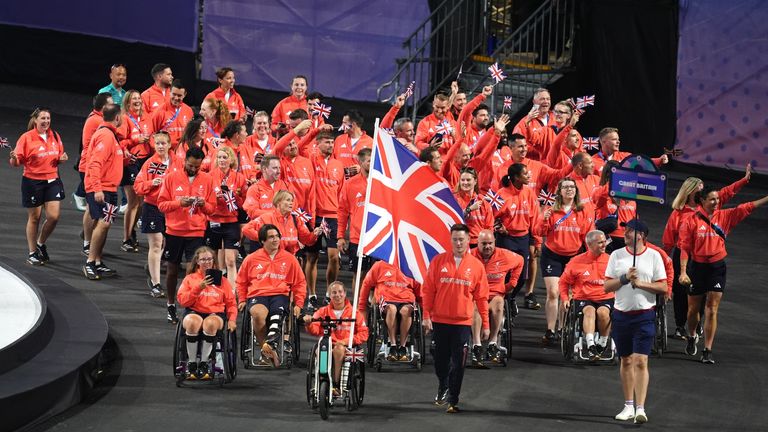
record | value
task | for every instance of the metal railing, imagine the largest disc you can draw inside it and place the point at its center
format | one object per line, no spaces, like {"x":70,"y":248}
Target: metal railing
{"x":436,"y":52}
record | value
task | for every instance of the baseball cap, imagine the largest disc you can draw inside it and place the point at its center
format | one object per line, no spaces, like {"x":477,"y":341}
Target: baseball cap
{"x":637,"y":225}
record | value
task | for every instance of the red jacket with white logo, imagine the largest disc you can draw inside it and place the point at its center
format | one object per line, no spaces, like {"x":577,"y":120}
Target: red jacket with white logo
{"x":186,"y":221}
{"x":105,"y":161}
{"x":449,"y":293}
{"x":352,"y":207}
{"x":701,"y":242}
{"x":211,"y":299}
{"x":234,"y":103}
{"x":390,"y":285}
{"x":143,"y":184}
{"x":341,"y":332}
{"x":258,"y":200}
{"x":292,"y":231}
{"x":261,"y":275}
{"x":39,"y":157}
{"x":503,"y":270}
{"x":584,"y":276}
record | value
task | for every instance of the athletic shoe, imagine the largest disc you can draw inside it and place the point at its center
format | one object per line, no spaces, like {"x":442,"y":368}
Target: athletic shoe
{"x":628,"y":413}
{"x":202,"y":371}
{"x":706,"y":357}
{"x":691,"y":349}
{"x":442,"y":395}
{"x":594,"y":353}
{"x":680,"y":332}
{"x":392,"y":354}
{"x":548,"y":338}
{"x":171,"y":316}
{"x":453,"y":409}
{"x":157,"y":291}
{"x":35,"y":259}
{"x":402,"y":353}
{"x":42,"y":251}
{"x":607,"y":353}
{"x":105,"y":271}
{"x":492,"y":352}
{"x":640,"y":416}
{"x":513,"y":305}
{"x":531,"y":302}
{"x":383,"y":351}
{"x":89,"y":270}
{"x":336,"y":392}
{"x":127,"y":246}
{"x":122,"y":208}
{"x":270,"y":353}
{"x":314,"y":303}
{"x":700,"y":329}
{"x":477,"y":357}
{"x":502,"y":353}
{"x":80,"y":202}
{"x":287,"y":346}
{"x":87,"y":250}
{"x":191,"y":371}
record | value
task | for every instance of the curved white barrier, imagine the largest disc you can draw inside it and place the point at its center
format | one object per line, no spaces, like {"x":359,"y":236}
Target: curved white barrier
{"x":20,"y":308}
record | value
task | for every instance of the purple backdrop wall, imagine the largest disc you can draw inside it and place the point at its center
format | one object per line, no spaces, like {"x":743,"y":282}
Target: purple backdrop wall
{"x":347,"y":48}
{"x":723,"y":83}
{"x":172,"y":24}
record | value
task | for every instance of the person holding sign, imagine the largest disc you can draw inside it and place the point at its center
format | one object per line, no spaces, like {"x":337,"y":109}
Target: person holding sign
{"x":702,"y":242}
{"x":610,"y":212}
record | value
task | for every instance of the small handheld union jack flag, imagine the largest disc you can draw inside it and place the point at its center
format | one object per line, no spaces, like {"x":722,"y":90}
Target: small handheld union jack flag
{"x":507,"y":102}
{"x":4,"y":143}
{"x":547,"y":198}
{"x":409,"y":90}
{"x":321,"y":110}
{"x":109,"y":212}
{"x":326,"y":228}
{"x":494,"y":199}
{"x":156,"y":168}
{"x":585,"y":101}
{"x":229,"y":199}
{"x":443,"y":128}
{"x":591,"y":143}
{"x":576,"y":109}
{"x":496,"y":73}
{"x":354,"y":354}
{"x":302,"y":215}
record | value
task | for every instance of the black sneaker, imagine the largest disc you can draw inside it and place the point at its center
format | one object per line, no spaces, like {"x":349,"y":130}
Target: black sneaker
{"x":531,"y":302}
{"x":35,"y":259}
{"x":171,"y":316}
{"x":548,"y":338}
{"x":453,"y":409}
{"x":89,"y":270}
{"x":402,"y":353}
{"x":191,"y":371}
{"x":442,"y":395}
{"x":700,"y":329}
{"x":287,"y":347}
{"x":594,"y":353}
{"x":157,"y":291}
{"x":706,"y":357}
{"x":691,"y":349}
{"x":607,"y":353}
{"x":105,"y":271}
{"x":492,"y":352}
{"x":680,"y":332}
{"x":127,"y":246}
{"x":202,"y":371}
{"x":314,"y":303}
{"x":87,"y":250}
{"x":392,"y":353}
{"x":513,"y":305}
{"x":477,"y":356}
{"x":42,"y":251}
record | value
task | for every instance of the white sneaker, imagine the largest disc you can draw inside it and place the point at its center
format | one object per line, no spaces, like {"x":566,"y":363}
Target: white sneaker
{"x":79,"y":202}
{"x":628,"y":413}
{"x":122,"y":208}
{"x":640,"y":416}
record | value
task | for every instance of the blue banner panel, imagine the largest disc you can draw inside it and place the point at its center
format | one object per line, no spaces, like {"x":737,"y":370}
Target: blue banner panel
{"x":171,"y":24}
{"x":638,"y":185}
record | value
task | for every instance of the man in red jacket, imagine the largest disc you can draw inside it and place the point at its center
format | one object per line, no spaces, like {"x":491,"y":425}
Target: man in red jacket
{"x":102,"y":176}
{"x":186,"y":198}
{"x":454,"y":284}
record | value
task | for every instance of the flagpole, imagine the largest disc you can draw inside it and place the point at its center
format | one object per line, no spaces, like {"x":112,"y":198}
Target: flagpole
{"x":360,"y":243}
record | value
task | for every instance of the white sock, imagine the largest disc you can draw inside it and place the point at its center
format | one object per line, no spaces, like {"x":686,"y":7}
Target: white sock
{"x":603,"y":341}
{"x":590,"y":339}
{"x":192,"y":350}
{"x":86,"y":243}
{"x":205,"y":352}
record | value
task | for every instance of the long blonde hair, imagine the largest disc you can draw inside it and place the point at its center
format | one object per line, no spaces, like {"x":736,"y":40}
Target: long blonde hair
{"x":576,"y":206}
{"x":690,"y":185}
{"x":127,"y":102}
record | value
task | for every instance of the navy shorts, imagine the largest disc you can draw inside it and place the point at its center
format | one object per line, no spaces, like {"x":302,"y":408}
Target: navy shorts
{"x":367,"y":261}
{"x":177,"y":248}
{"x":633,"y":332}
{"x":552,"y":264}
{"x":130,"y":172}
{"x":330,"y":239}
{"x":96,"y":210}
{"x":275,"y":304}
{"x":188,"y":311}
{"x":706,"y":277}
{"x":383,"y":305}
{"x":519,"y":245}
{"x":581,"y":304}
{"x":152,"y":219}
{"x":227,"y":234}
{"x":35,"y":193}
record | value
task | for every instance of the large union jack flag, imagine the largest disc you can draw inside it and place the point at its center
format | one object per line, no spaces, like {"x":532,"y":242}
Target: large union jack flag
{"x":409,"y":211}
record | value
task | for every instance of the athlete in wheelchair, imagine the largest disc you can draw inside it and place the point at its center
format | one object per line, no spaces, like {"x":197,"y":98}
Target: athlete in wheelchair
{"x":503,"y":268}
{"x":334,"y":370}
{"x":587,"y":305}
{"x":203,"y":349}
{"x":394,"y":314}
{"x":265,"y":282}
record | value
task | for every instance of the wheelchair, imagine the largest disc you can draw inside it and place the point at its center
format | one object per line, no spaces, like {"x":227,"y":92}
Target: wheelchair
{"x":660,"y":342}
{"x":320,"y":374}
{"x":378,"y":340}
{"x":504,"y":338}
{"x":250,"y":350}
{"x":222,"y":362}
{"x":573,"y":342}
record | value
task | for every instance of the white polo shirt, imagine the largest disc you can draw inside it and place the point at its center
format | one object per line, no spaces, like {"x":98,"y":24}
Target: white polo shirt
{"x":650,"y":268}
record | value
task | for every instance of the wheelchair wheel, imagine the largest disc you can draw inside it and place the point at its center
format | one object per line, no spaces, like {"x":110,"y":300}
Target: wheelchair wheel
{"x":567,"y":335}
{"x":660,"y":343}
{"x":372,"y":335}
{"x":360,"y":383}
{"x":179,"y":355}
{"x":230,"y":355}
{"x":296,"y":336}
{"x":418,"y":335}
{"x":325,"y":404}
{"x":507,"y":340}
{"x":311,"y":400}
{"x":353,"y":385}
{"x":246,"y":339}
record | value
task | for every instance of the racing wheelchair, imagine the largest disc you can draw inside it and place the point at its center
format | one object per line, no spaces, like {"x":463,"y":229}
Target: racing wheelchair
{"x":288,"y":341}
{"x":573,"y":341}
{"x":320,"y":386}
{"x":378,"y":339}
{"x":222,"y":362}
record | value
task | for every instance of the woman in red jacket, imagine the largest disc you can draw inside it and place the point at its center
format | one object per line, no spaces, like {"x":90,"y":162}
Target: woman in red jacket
{"x":227,"y":94}
{"x":339,"y":308}
{"x":478,"y":214}
{"x":39,"y":151}
{"x":208,"y":306}
{"x":294,"y":231}
{"x":565,"y":225}
{"x":216,"y":116}
{"x":134,"y":134}
{"x":702,"y":240}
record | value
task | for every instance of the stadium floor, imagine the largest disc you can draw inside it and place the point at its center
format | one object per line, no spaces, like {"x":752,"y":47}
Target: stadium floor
{"x":537,"y":391}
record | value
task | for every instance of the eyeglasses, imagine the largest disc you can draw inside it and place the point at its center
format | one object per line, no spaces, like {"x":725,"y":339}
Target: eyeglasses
{"x":205,"y":260}
{"x":567,"y":187}
{"x":561,"y":112}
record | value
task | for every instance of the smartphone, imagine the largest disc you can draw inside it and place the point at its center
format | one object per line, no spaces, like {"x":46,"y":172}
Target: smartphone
{"x":215,"y":274}
{"x":535,"y":107}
